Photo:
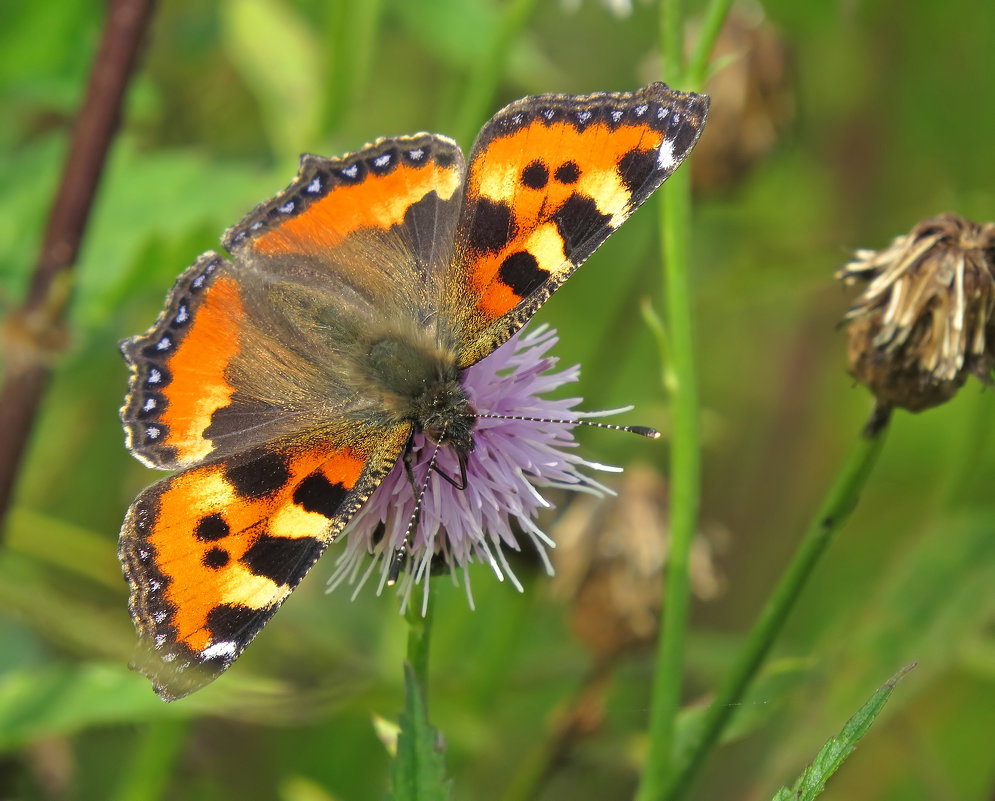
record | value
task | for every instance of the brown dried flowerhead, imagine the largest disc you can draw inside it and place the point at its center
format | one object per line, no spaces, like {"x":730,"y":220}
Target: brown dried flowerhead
{"x":925,"y":318}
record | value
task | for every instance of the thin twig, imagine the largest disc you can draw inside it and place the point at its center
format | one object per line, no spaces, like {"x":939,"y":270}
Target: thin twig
{"x":33,"y":334}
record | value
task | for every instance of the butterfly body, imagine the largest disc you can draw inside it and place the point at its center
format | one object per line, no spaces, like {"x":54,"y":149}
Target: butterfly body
{"x":285,"y":383}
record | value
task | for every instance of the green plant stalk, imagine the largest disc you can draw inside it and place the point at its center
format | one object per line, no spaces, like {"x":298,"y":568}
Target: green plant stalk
{"x":834,"y":511}
{"x":685,"y":443}
{"x":685,"y":446}
{"x":419,"y":638}
{"x":715,"y":17}
{"x":685,"y":469}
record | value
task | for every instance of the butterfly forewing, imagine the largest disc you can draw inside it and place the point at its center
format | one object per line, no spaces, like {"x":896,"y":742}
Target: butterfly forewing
{"x":549,"y":179}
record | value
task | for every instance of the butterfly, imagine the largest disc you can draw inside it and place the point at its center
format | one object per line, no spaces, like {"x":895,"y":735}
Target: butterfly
{"x":285,"y":382}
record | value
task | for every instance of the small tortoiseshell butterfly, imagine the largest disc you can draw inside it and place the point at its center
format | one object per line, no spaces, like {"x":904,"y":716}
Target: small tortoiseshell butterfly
{"x":283,"y":384}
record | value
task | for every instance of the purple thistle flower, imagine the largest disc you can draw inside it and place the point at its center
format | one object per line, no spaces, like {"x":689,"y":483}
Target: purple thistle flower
{"x":511,"y":459}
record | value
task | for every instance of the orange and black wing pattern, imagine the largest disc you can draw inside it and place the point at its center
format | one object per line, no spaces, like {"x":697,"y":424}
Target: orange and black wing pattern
{"x":549,"y":179}
{"x":212,"y":552}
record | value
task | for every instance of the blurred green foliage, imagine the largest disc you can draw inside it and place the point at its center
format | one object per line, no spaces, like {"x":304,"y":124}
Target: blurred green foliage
{"x":892,"y":123}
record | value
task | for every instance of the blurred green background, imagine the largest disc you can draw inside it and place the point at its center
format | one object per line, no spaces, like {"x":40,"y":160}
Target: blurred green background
{"x":835,"y":126}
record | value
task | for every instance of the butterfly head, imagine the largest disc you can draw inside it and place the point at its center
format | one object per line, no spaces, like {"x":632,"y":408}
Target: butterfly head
{"x":444,"y":414}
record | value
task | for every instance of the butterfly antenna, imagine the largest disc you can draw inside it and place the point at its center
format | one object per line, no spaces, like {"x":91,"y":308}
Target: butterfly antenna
{"x":643,"y":431}
{"x":401,"y":551}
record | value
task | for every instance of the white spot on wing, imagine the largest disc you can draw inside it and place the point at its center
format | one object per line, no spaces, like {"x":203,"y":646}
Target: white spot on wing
{"x":315,"y":185}
{"x":665,"y":155}
{"x":154,"y":376}
{"x":382,"y":160}
{"x":225,"y":649}
{"x":351,"y":171}
{"x":287,"y":207}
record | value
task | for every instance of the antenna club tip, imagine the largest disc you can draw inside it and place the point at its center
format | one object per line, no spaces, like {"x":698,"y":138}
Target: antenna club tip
{"x":646,"y":431}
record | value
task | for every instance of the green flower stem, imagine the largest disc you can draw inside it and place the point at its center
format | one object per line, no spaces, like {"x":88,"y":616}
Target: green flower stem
{"x":834,"y":511}
{"x":715,"y":17}
{"x":685,"y":470}
{"x":685,"y":446}
{"x":419,"y":637}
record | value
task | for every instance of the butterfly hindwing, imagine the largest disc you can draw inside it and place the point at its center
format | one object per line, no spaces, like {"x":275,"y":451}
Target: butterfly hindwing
{"x":212,"y":552}
{"x":549,"y":178}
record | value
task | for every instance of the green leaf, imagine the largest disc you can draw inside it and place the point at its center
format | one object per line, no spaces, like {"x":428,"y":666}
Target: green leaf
{"x":418,"y":771}
{"x":813,"y":781}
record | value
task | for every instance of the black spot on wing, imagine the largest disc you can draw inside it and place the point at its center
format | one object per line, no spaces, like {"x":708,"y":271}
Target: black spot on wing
{"x":216,"y":558}
{"x":492,"y":226}
{"x":283,"y":560}
{"x":522,"y":273}
{"x":211,"y":528}
{"x":259,"y":477}
{"x":567,"y":173}
{"x":535,"y":175}
{"x":317,"y":494}
{"x":581,"y":226}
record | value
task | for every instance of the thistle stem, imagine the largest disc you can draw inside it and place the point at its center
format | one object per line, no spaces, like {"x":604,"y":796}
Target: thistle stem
{"x":420,"y":636}
{"x":682,"y":379}
{"x":836,"y":507}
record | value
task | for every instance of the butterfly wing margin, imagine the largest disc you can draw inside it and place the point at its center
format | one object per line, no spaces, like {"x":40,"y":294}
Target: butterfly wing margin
{"x":549,"y":179}
{"x":211,"y":553}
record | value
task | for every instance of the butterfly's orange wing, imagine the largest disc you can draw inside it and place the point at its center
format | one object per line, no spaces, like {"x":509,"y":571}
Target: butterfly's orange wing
{"x":549,"y":178}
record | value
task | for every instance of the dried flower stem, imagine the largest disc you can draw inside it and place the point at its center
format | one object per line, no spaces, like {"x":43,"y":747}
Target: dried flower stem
{"x":834,"y":511}
{"x":33,"y":333}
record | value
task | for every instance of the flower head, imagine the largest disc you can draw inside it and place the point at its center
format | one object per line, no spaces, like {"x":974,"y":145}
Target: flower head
{"x":925,"y":318}
{"x":511,"y":459}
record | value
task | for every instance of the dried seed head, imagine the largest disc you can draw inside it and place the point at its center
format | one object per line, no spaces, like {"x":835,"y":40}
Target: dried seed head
{"x":925,"y":318}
